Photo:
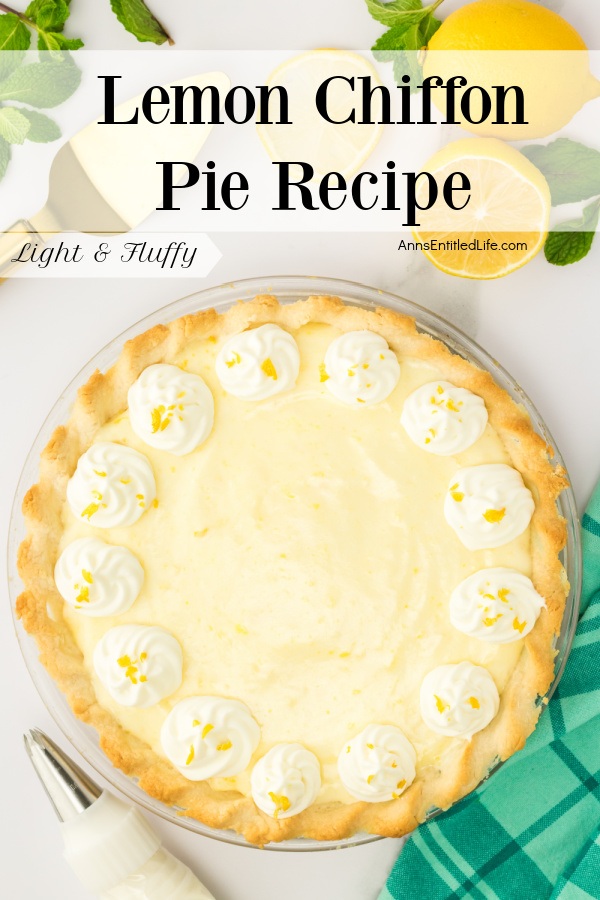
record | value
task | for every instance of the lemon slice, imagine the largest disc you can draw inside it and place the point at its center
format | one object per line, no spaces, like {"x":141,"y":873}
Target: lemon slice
{"x":509,"y":207}
{"x":325,"y":146}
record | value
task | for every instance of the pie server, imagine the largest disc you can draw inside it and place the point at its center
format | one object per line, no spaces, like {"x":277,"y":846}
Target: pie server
{"x":109,"y":845}
{"x":105,"y":178}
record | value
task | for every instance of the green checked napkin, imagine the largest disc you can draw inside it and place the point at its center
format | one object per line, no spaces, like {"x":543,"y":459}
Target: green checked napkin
{"x":533,"y":831}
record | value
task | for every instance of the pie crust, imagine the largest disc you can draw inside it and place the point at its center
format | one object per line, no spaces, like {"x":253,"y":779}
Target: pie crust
{"x":40,"y":606}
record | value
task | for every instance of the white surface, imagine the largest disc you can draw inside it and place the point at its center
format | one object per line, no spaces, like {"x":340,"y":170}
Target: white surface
{"x":542,"y":323}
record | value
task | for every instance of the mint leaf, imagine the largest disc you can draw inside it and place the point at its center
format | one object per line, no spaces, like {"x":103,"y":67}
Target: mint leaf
{"x":572,"y":170}
{"x":573,"y":242}
{"x":4,"y":157}
{"x":136,"y":18}
{"x":54,"y":41}
{"x":14,"y":36}
{"x":43,"y":84}
{"x":389,"y":13}
{"x":49,"y":15}
{"x":13,"y":33}
{"x":400,"y":36}
{"x":42,"y":129}
{"x":13,"y":125}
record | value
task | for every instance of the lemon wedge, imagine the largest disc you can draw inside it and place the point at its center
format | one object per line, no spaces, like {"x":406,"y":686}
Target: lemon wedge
{"x":504,"y":224}
{"x":310,"y":138}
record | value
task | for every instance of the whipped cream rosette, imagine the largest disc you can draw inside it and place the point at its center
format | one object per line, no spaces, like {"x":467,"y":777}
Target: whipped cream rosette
{"x":209,"y":736}
{"x":378,"y":764}
{"x":360,"y":369}
{"x":444,"y":419}
{"x":458,"y":700}
{"x":488,"y":505}
{"x":98,"y":579}
{"x":139,"y":665}
{"x":112,"y":486}
{"x":258,"y":363}
{"x":495,"y":605}
{"x":286,"y":780}
{"x":170,"y":409}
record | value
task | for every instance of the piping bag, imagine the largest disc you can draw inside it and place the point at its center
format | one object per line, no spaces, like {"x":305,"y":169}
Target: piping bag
{"x":109,"y":845}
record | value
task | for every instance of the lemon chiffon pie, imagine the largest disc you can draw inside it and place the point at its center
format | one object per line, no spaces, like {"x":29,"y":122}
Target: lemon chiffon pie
{"x":299,"y":566}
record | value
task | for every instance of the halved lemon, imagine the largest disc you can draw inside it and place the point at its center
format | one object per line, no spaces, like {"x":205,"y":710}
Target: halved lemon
{"x":503,"y":225}
{"x":310,"y":138}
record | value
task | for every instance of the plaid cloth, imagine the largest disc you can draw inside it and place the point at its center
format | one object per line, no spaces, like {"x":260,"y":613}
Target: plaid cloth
{"x":533,"y":831}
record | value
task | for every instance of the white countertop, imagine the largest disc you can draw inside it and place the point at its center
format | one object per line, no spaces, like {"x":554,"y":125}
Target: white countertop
{"x":540,"y":323}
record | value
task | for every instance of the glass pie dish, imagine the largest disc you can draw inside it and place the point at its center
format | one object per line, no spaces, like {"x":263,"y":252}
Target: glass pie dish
{"x":286,"y":289}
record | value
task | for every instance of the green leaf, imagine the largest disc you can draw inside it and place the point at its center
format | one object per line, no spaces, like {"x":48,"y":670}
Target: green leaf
{"x":572,"y":170}
{"x":42,"y":128}
{"x":390,"y":13}
{"x":407,"y":60}
{"x":55,"y":42}
{"x":14,"y":35}
{"x":573,"y":242}
{"x":402,"y":35}
{"x":136,"y":18}
{"x":43,"y":84}
{"x":13,"y":125}
{"x":4,"y":157}
{"x":49,"y":15}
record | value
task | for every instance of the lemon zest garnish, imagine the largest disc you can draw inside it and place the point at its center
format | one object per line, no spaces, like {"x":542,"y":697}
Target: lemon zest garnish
{"x":344,"y":655}
{"x":474,"y":702}
{"x":124,"y":661}
{"x":195,"y":723}
{"x":180,"y":395}
{"x":503,"y":594}
{"x":365,"y":365}
{"x":519,"y":626}
{"x":143,"y":657}
{"x":394,"y":764}
{"x":458,"y":496}
{"x":87,"y":576}
{"x":233,"y":362}
{"x":84,"y":595}
{"x":348,"y":749}
{"x":99,"y":473}
{"x":441,"y":706}
{"x":489,"y":621}
{"x":191,"y":755}
{"x":440,"y":389}
{"x":125,"y":480}
{"x":156,"y":416}
{"x":450,"y":404}
{"x":350,"y":372}
{"x":359,"y":400}
{"x":143,"y":678}
{"x":494,"y":515}
{"x":401,"y":784}
{"x":282,"y":803}
{"x":269,"y":369}
{"x":97,"y":495}
{"x":206,"y":730}
{"x":224,"y":745}
{"x":323,"y":376}
{"x":139,"y":496}
{"x":89,"y":511}
{"x":370,"y":778}
{"x":155,"y":503}
{"x":381,"y":356}
{"x":371,"y":746}
{"x":212,"y":339}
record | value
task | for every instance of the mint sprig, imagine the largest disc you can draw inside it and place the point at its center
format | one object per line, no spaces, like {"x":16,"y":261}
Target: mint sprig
{"x":572,"y":171}
{"x":410,"y":28}
{"x":41,"y":84}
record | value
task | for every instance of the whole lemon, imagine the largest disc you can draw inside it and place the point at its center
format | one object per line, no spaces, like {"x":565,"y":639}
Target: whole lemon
{"x":534,"y":48}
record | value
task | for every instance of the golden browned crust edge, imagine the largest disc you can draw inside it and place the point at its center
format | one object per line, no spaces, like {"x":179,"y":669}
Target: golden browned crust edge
{"x":40,"y":606}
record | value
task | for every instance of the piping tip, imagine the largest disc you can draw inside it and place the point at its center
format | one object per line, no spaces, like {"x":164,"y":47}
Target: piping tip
{"x":68,"y":787}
